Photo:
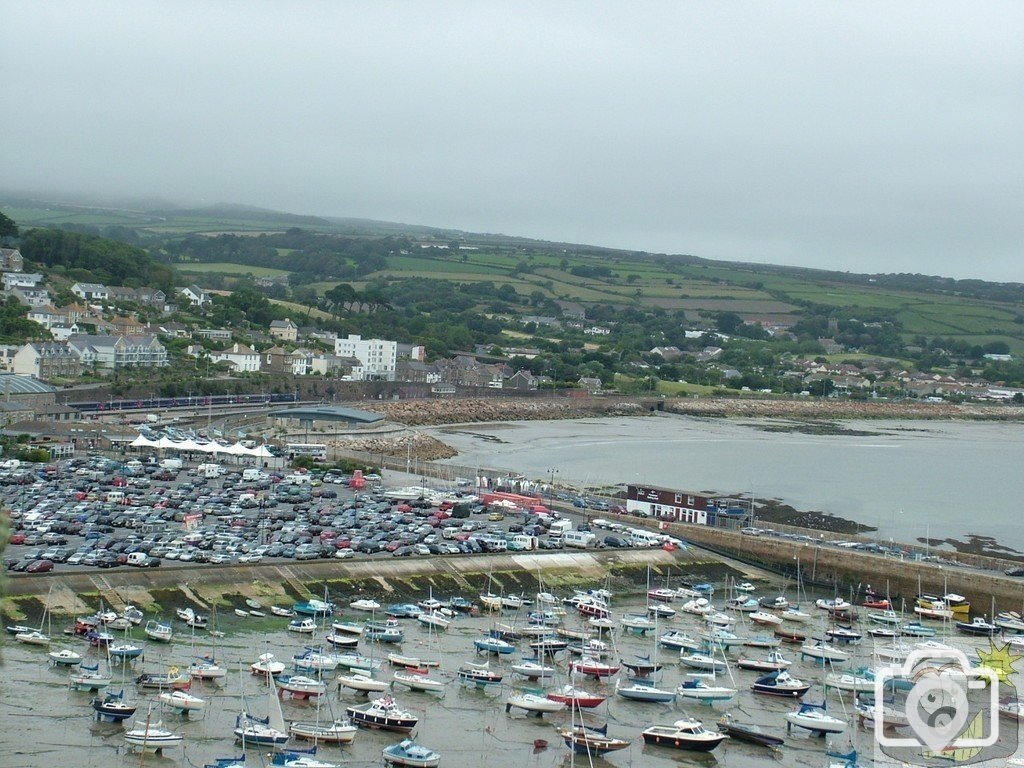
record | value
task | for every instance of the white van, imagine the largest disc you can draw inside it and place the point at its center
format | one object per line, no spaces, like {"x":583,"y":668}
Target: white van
{"x":560,"y":526}
{"x":641,"y":538}
{"x":251,"y":474}
{"x":172,"y":464}
{"x":209,"y":470}
{"x":449,"y":532}
{"x":297,"y":478}
{"x":578,"y":539}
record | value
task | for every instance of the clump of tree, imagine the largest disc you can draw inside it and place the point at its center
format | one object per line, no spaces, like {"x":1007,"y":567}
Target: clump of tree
{"x":106,"y":261}
{"x":15,"y":327}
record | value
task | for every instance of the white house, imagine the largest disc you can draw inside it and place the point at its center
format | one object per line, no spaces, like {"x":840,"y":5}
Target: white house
{"x":21,"y":280}
{"x":90,"y":291}
{"x":378,"y":357}
{"x":242,"y":358}
{"x":195,"y":296}
{"x":119,"y":351}
{"x":48,"y":316}
{"x":285,"y":330}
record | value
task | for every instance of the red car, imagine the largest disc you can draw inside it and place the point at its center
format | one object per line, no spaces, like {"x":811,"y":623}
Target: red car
{"x":39,"y":566}
{"x":16,"y":538}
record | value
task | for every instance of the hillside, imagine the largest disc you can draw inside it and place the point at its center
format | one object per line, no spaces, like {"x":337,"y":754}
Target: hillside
{"x":225,"y":242}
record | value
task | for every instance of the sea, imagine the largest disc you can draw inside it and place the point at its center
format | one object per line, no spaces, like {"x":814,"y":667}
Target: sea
{"x":908,"y":479}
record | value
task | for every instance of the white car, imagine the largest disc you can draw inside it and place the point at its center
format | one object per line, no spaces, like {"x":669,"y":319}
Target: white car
{"x":252,"y":557}
{"x":344,"y":554}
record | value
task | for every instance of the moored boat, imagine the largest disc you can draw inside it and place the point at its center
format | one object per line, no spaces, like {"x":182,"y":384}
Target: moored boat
{"x":978,"y":626}
{"x":751,"y":734}
{"x":150,"y":737}
{"x":591,"y":741}
{"x":533,"y":703}
{"x":160,"y":631}
{"x":382,"y":714}
{"x":576,"y":698}
{"x":113,"y":707}
{"x":780,"y":684}
{"x":409,"y":753}
{"x":306,"y":626}
{"x":688,"y":734}
{"x":814,"y":718}
{"x":300,"y":686}
{"x":181,"y":701}
{"x":337,"y":732}
{"x":479,"y":674}
{"x":266,"y":664}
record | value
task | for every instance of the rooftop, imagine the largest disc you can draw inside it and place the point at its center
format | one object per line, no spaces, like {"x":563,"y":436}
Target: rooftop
{"x":19,"y":384}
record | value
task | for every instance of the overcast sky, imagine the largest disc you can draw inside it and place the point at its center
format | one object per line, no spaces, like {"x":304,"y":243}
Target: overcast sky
{"x":885,"y":137}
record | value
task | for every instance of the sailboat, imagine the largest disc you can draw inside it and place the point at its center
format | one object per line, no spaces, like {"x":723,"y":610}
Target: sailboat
{"x":150,"y":737}
{"x":36,"y":636}
{"x":335,"y":731}
{"x":269,"y":731}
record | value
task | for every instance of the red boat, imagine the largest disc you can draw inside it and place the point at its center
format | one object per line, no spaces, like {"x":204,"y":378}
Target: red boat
{"x":882,"y":604}
{"x":574,"y":697}
{"x":593,"y":667}
{"x":593,"y":609}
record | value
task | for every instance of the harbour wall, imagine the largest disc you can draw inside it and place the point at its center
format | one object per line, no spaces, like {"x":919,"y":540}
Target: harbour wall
{"x":846,"y":569}
{"x":390,"y":580}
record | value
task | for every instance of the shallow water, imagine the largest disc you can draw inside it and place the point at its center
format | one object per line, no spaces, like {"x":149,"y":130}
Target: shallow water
{"x":909,"y":479}
{"x":44,"y":724}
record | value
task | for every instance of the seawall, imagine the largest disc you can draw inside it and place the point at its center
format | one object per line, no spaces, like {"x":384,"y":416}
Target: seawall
{"x":391,"y":580}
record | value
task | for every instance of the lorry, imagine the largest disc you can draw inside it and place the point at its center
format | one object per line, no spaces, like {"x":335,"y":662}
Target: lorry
{"x":560,"y":526}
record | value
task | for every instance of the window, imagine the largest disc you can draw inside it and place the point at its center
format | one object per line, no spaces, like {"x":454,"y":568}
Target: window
{"x":689,"y":501}
{"x":679,"y":498}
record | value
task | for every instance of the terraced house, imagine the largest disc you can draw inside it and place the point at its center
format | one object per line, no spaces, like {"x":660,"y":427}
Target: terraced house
{"x":112,"y":352}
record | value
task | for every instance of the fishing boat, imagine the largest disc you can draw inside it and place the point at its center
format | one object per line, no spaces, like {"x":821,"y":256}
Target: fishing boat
{"x":761,"y":641}
{"x":788,"y":636}
{"x":870,"y":712}
{"x":336,"y":732}
{"x":741,"y":604}
{"x":99,"y":638}
{"x":284,"y":613}
{"x":532,"y":669}
{"x":823,"y":652}
{"x":575,"y":698}
{"x":843,"y":635}
{"x":592,"y":667}
{"x":430,"y":604}
{"x":696,"y":688}
{"x":133,"y":614}
{"x":958,"y":604}
{"x":408,"y":662}
{"x":645,"y":692}
{"x":306,"y":626}
{"x":878,"y":604}
{"x":780,"y":683}
{"x":241,"y":613}
{"x":193,"y":619}
{"x":314,"y":660}
{"x":533,"y":703}
{"x":745,"y":586}
{"x":551,"y":645}
{"x":513,"y":602}
{"x":206,"y":668}
{"x":160,"y":631}
{"x":383,"y":714}
{"x":814,"y":718}
{"x":591,"y":741}
{"x":644,"y":668}
{"x":65,"y":657}
{"x":270,"y":731}
{"x":170,"y":680}
{"x":181,"y":701}
{"x":1010,"y":621}
{"x":357,"y":662}
{"x":300,"y":686}
{"x":266,"y":664}
{"x":774,"y":602}
{"x":411,"y":754}
{"x":479,"y":674}
{"x":636,"y":623}
{"x":662,"y":595}
{"x":937,"y":610}
{"x":698,"y":606}
{"x":389,"y":631}
{"x":17,"y":629}
{"x":835,"y":604}
{"x":678,"y":641}
{"x":893,"y":652}
{"x":751,"y":734}
{"x":773,"y":662}
{"x":150,"y":737}
{"x":688,"y":734}
{"x":494,"y":646}
{"x":113,"y":708}
{"x":417,"y":680}
{"x":403,"y":610}
{"x":461,"y":604}
{"x":362,"y":682}
{"x":315,"y":608}
{"x":978,"y":626}
{"x":591,"y":606}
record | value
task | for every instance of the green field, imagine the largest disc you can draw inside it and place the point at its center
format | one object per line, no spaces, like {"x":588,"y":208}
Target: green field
{"x":228,"y":268}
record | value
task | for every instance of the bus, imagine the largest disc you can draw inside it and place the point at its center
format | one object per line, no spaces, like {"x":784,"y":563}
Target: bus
{"x":317,"y":450}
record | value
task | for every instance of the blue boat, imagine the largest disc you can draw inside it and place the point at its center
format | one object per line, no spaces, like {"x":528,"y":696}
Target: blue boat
{"x":296,"y":757}
{"x":124,"y":650}
{"x":314,"y":608}
{"x":227,"y":762}
{"x":403,"y":610}
{"x":409,"y":753}
{"x":383,"y":632}
{"x":493,"y":645}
